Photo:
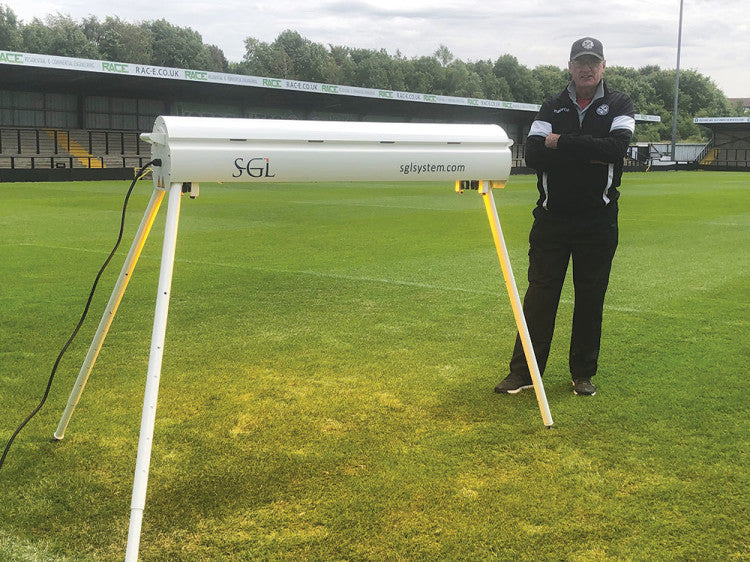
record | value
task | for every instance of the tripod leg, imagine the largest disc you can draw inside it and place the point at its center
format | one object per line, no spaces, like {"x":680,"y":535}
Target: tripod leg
{"x":515,"y":302}
{"x":109,"y":312}
{"x":148,"y":418}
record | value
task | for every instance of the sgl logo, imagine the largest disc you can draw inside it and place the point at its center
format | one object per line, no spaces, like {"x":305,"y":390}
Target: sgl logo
{"x":254,"y":168}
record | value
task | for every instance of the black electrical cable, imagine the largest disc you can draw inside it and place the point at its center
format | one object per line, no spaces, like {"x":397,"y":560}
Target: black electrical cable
{"x":138,"y":176}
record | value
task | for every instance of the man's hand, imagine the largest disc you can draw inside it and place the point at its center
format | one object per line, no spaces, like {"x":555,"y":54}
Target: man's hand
{"x":550,"y":141}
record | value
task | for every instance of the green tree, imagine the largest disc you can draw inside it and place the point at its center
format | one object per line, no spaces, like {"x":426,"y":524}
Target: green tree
{"x":10,"y":30}
{"x":303,"y":59}
{"x":705,"y":98}
{"x":631,"y":82}
{"x":494,"y":87}
{"x":179,"y":47}
{"x":256,"y":60}
{"x":462,"y":80}
{"x":523,"y":86}
{"x":340,"y":67}
{"x":550,"y":79}
{"x":215,"y":59}
{"x":423,"y":74}
{"x":371,"y":68}
{"x":58,"y":35}
{"x":289,"y":56}
{"x":738,"y":108}
{"x":119,"y":40}
{"x":444,"y":55}
{"x":377,"y":69}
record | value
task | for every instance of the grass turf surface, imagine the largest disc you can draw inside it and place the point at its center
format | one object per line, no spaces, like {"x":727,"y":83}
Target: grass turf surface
{"x":327,"y":383}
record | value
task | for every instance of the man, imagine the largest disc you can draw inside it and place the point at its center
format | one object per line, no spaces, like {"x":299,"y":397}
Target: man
{"x":576,"y":144}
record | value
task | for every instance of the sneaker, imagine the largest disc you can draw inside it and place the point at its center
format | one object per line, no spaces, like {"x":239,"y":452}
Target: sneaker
{"x":513,"y":384}
{"x":584,"y":387}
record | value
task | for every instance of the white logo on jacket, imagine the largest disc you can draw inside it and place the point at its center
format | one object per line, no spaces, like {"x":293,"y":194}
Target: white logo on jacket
{"x":603,"y":109}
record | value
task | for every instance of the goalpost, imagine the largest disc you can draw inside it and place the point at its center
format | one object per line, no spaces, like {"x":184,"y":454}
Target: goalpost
{"x":190,"y":150}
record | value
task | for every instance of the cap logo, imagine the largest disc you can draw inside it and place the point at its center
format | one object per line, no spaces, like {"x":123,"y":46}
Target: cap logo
{"x":603,"y":109}
{"x":587,"y":44}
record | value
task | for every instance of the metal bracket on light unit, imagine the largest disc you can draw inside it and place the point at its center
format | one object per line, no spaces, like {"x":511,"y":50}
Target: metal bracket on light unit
{"x":191,"y":188}
{"x":482,"y":186}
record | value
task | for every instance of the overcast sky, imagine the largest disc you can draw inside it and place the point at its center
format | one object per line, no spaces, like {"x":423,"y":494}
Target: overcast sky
{"x":635,"y":33}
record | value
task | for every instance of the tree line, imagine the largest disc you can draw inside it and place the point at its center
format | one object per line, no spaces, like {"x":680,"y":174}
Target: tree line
{"x":292,"y":56}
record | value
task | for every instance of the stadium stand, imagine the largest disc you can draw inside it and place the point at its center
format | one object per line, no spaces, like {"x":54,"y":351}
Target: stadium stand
{"x":57,"y":149}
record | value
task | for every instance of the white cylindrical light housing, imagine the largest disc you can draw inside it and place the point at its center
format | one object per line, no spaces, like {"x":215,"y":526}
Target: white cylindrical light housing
{"x":207,"y":149}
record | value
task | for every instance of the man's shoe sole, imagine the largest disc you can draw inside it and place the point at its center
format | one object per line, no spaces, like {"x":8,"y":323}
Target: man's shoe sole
{"x":515,"y":390}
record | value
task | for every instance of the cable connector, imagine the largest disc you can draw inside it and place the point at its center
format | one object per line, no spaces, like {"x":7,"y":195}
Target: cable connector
{"x":192,"y":188}
{"x":461,"y":185}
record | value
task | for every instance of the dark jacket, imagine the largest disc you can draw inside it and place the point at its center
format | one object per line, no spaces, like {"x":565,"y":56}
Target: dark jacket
{"x":582,"y":174}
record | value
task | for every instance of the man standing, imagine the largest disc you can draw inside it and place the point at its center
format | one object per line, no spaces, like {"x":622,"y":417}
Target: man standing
{"x":576,"y":144}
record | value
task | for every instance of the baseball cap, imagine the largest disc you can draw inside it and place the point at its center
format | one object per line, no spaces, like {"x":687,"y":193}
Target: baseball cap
{"x":587,"y":46}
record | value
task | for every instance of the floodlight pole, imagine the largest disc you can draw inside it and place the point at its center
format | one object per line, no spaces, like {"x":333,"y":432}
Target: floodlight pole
{"x":676,"y":89}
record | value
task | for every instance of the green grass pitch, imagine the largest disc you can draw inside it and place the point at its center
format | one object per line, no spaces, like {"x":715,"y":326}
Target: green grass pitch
{"x":326,"y":391}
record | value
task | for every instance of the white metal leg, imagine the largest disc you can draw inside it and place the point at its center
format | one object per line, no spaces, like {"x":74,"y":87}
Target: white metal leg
{"x":148,"y":418}
{"x":109,"y":313}
{"x":515,"y":302}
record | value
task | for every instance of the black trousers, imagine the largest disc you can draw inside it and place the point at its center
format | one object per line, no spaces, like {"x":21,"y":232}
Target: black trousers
{"x":591,"y":242}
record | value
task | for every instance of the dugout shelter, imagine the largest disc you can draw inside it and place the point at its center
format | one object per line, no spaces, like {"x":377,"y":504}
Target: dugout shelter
{"x":729,"y":148}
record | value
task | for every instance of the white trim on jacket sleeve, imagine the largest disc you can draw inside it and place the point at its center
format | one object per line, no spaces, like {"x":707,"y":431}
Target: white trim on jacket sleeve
{"x":540,"y":128}
{"x":623,"y":122}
